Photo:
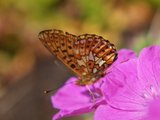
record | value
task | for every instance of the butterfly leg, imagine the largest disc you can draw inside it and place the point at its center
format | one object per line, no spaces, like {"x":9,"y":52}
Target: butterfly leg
{"x":91,"y":93}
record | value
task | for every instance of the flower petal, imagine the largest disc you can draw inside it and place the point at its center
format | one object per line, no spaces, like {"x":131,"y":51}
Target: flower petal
{"x":105,"y":112}
{"x":72,"y":99}
{"x":130,"y":88}
{"x":149,"y":67}
{"x":124,"y":55}
{"x":122,"y":89}
{"x":154,"y":110}
{"x":65,"y":113}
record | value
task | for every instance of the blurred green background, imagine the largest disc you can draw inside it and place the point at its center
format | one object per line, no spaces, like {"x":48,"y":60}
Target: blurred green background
{"x":27,"y":68}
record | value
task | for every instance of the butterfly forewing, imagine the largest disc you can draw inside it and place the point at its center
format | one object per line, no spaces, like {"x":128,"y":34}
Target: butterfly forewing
{"x":87,"y":55}
{"x":61,"y":45}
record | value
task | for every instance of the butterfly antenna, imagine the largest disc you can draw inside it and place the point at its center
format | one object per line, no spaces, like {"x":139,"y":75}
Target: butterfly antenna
{"x":48,"y":91}
{"x":54,"y":90}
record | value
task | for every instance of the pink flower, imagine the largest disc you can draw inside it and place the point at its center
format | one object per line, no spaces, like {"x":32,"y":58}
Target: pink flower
{"x":132,"y":89}
{"x":74,"y":100}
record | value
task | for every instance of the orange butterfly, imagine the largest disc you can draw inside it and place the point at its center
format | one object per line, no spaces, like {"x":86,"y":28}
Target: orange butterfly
{"x":87,"y":55}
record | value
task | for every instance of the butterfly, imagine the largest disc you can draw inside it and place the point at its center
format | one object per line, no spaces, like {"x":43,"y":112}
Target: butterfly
{"x":87,"y":55}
